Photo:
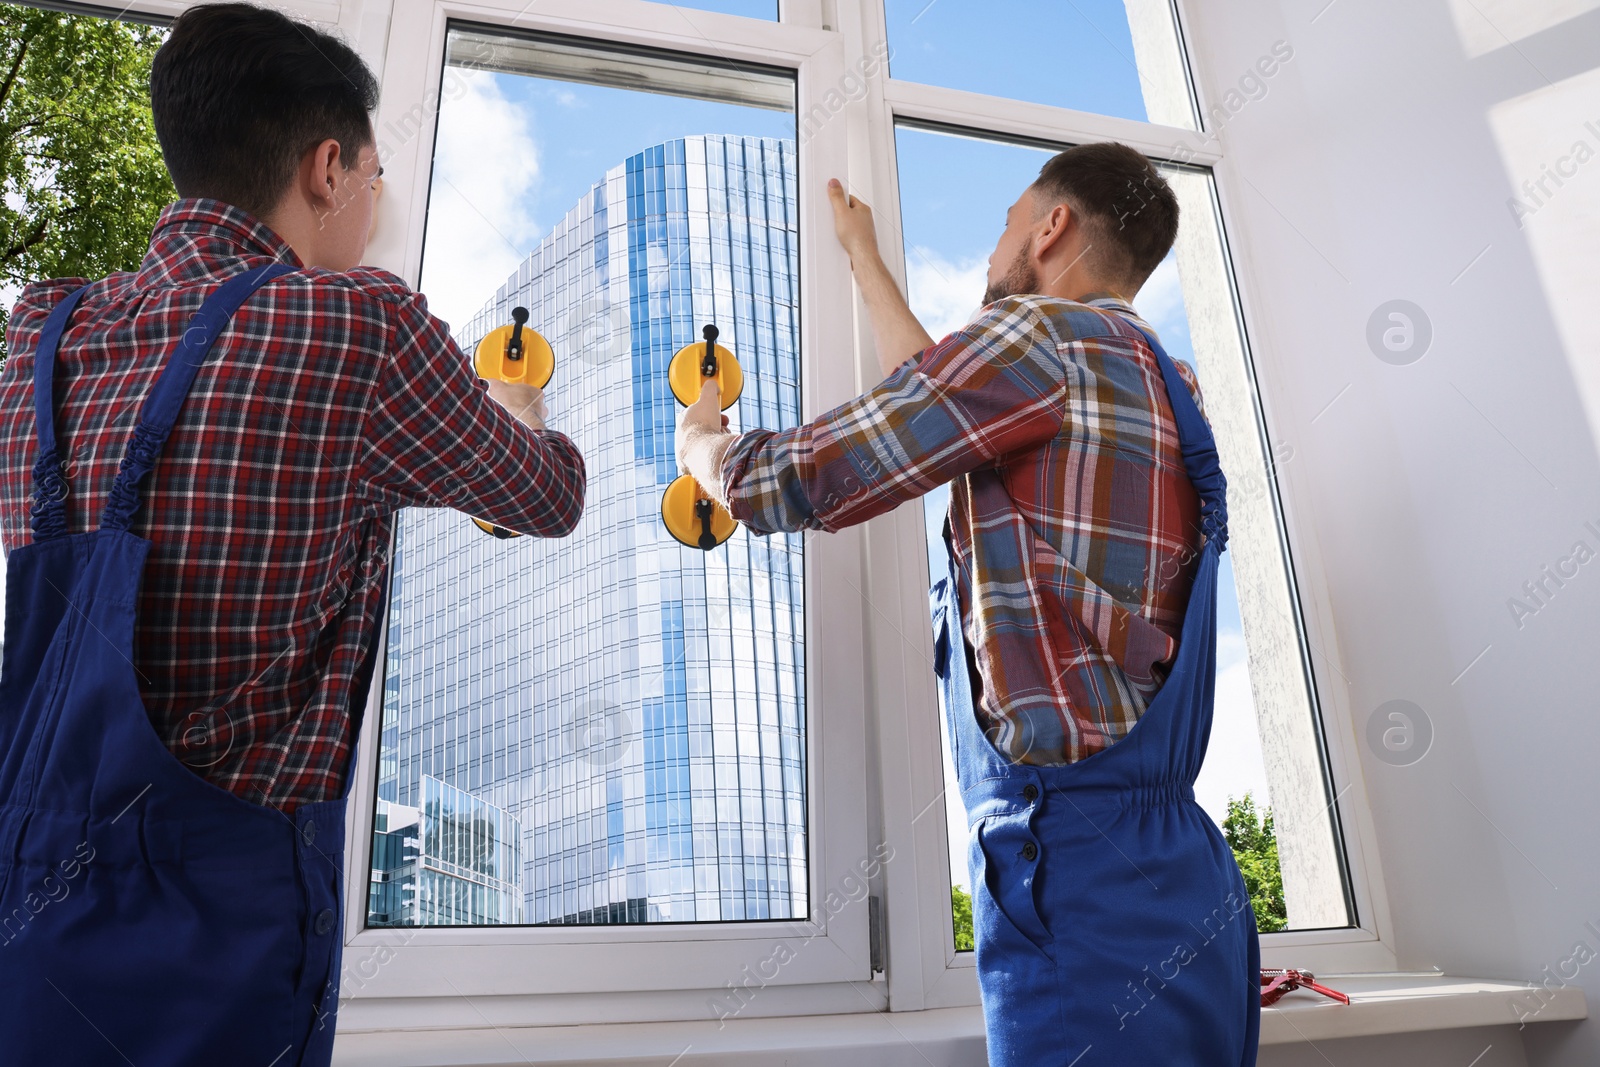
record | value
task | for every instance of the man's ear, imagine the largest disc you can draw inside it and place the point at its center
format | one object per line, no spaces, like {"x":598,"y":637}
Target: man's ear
{"x":325,"y":172}
{"x":1056,"y":223}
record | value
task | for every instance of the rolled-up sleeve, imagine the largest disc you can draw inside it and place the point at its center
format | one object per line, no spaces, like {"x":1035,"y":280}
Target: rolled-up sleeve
{"x":434,"y":438}
{"x":995,"y":387}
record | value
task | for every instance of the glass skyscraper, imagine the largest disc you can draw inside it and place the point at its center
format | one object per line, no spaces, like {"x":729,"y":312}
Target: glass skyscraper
{"x":632,"y":709}
{"x":453,"y":859}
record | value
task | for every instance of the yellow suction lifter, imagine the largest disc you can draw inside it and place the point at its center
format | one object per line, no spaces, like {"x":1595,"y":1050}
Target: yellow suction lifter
{"x":692,"y":517}
{"x":514,"y":354}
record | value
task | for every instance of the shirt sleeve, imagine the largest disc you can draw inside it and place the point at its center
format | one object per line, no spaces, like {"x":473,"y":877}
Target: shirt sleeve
{"x":993,"y":388}
{"x":435,"y":439}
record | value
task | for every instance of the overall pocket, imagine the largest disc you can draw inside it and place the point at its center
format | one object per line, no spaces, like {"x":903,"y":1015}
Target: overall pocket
{"x":1005,"y":906}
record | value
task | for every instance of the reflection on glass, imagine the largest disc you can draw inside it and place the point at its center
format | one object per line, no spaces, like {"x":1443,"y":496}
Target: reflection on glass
{"x":608,"y":728}
{"x":954,"y":193}
{"x":1109,"y":57}
{"x":453,"y":858}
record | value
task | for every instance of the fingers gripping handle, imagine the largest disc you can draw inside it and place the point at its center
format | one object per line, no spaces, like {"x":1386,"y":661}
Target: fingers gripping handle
{"x":515,"y":354}
{"x":698,"y":363}
{"x":690,"y":515}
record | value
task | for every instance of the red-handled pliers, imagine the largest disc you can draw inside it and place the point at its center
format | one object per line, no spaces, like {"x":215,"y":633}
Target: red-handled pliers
{"x":1275,"y":982}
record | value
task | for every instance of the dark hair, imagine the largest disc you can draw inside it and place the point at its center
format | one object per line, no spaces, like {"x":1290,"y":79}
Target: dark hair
{"x":240,"y":94}
{"x":1129,"y":210}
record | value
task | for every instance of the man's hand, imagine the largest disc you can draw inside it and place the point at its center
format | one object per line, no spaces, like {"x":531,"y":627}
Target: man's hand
{"x":852,"y":224}
{"x":525,"y":403}
{"x":704,"y":414}
{"x":897,"y":333}
{"x":703,"y":440}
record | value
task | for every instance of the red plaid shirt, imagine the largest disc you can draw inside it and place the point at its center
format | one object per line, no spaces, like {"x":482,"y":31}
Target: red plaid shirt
{"x":1073,"y":519}
{"x":330,"y":401}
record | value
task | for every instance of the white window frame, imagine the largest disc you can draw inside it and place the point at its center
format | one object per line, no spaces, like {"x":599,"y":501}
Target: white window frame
{"x":532,"y":972}
{"x":925,"y":971}
{"x":875,"y":778}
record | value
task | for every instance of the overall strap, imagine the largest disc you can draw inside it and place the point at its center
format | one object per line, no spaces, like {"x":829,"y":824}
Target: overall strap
{"x":1199,"y":447}
{"x":161,"y":406}
{"x":49,"y":482}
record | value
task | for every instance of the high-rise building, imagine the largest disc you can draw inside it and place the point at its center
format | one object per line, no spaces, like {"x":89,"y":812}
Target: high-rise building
{"x":455,"y":859}
{"x":634,"y":708}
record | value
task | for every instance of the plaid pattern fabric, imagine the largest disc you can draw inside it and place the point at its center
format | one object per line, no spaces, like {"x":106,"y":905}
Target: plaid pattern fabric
{"x":330,"y":401}
{"x":1072,"y":519}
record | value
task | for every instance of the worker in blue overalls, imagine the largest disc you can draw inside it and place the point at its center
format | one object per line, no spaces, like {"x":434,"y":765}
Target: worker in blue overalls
{"x":200,"y":466}
{"x":1075,"y":624}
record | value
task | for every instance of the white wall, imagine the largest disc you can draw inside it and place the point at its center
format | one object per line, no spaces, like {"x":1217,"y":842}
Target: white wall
{"x":1378,"y":166}
{"x":1480,"y":1046}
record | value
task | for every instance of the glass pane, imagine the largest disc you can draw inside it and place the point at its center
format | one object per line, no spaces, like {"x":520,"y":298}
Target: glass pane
{"x":1109,"y":57}
{"x":954,"y":193}
{"x":607,"y":728}
{"x":756,"y":9}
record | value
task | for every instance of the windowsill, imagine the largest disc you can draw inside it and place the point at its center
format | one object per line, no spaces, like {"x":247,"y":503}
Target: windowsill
{"x":1388,"y":1005}
{"x":1395,"y":1005}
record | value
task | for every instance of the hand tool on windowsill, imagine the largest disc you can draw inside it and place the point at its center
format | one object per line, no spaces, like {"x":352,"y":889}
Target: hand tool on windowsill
{"x":1275,"y":982}
{"x":690,"y":515}
{"x":519,"y":354}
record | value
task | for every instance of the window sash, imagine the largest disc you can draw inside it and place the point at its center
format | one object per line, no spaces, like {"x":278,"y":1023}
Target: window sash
{"x":533,"y":960}
{"x":925,"y":970}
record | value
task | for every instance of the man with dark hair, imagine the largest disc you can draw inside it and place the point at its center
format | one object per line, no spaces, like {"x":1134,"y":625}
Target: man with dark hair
{"x":184,"y":680}
{"x":1075,"y":629}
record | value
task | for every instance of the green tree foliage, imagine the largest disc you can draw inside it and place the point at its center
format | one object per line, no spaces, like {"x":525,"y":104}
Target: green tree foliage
{"x":961,"y":910}
{"x":1255,"y":847}
{"x":80,"y":168}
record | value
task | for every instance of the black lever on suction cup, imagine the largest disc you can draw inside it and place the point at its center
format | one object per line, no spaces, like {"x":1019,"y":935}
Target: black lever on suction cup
{"x":702,"y":511}
{"x":514,"y":346}
{"x":708,"y":362}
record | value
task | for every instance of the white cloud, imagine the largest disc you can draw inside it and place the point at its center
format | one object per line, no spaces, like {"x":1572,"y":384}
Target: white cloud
{"x":944,"y":294}
{"x":1230,"y":647}
{"x":479,"y":230}
{"x":1233,"y":764}
{"x":1160,"y":301}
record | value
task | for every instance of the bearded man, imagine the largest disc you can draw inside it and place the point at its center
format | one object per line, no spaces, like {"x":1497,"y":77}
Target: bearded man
{"x":1075,"y":634}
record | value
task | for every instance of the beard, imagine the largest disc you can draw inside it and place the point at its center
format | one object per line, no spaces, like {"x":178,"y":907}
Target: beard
{"x":1020,"y":278}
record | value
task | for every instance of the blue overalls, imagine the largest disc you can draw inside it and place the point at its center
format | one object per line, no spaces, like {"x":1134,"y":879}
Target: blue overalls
{"x":1112,"y":925}
{"x":146,"y":915}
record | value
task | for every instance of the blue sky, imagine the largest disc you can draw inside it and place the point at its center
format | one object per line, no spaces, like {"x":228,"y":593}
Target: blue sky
{"x":554,"y":140}
{"x":756,"y":9}
{"x":560,"y":138}
{"x":584,"y":130}
{"x":1087,"y":64}
{"x":1070,"y":53}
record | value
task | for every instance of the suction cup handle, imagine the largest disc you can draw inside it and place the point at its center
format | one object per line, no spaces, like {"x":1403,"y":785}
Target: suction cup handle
{"x":708,"y":363}
{"x":702,"y":511}
{"x":519,"y":316}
